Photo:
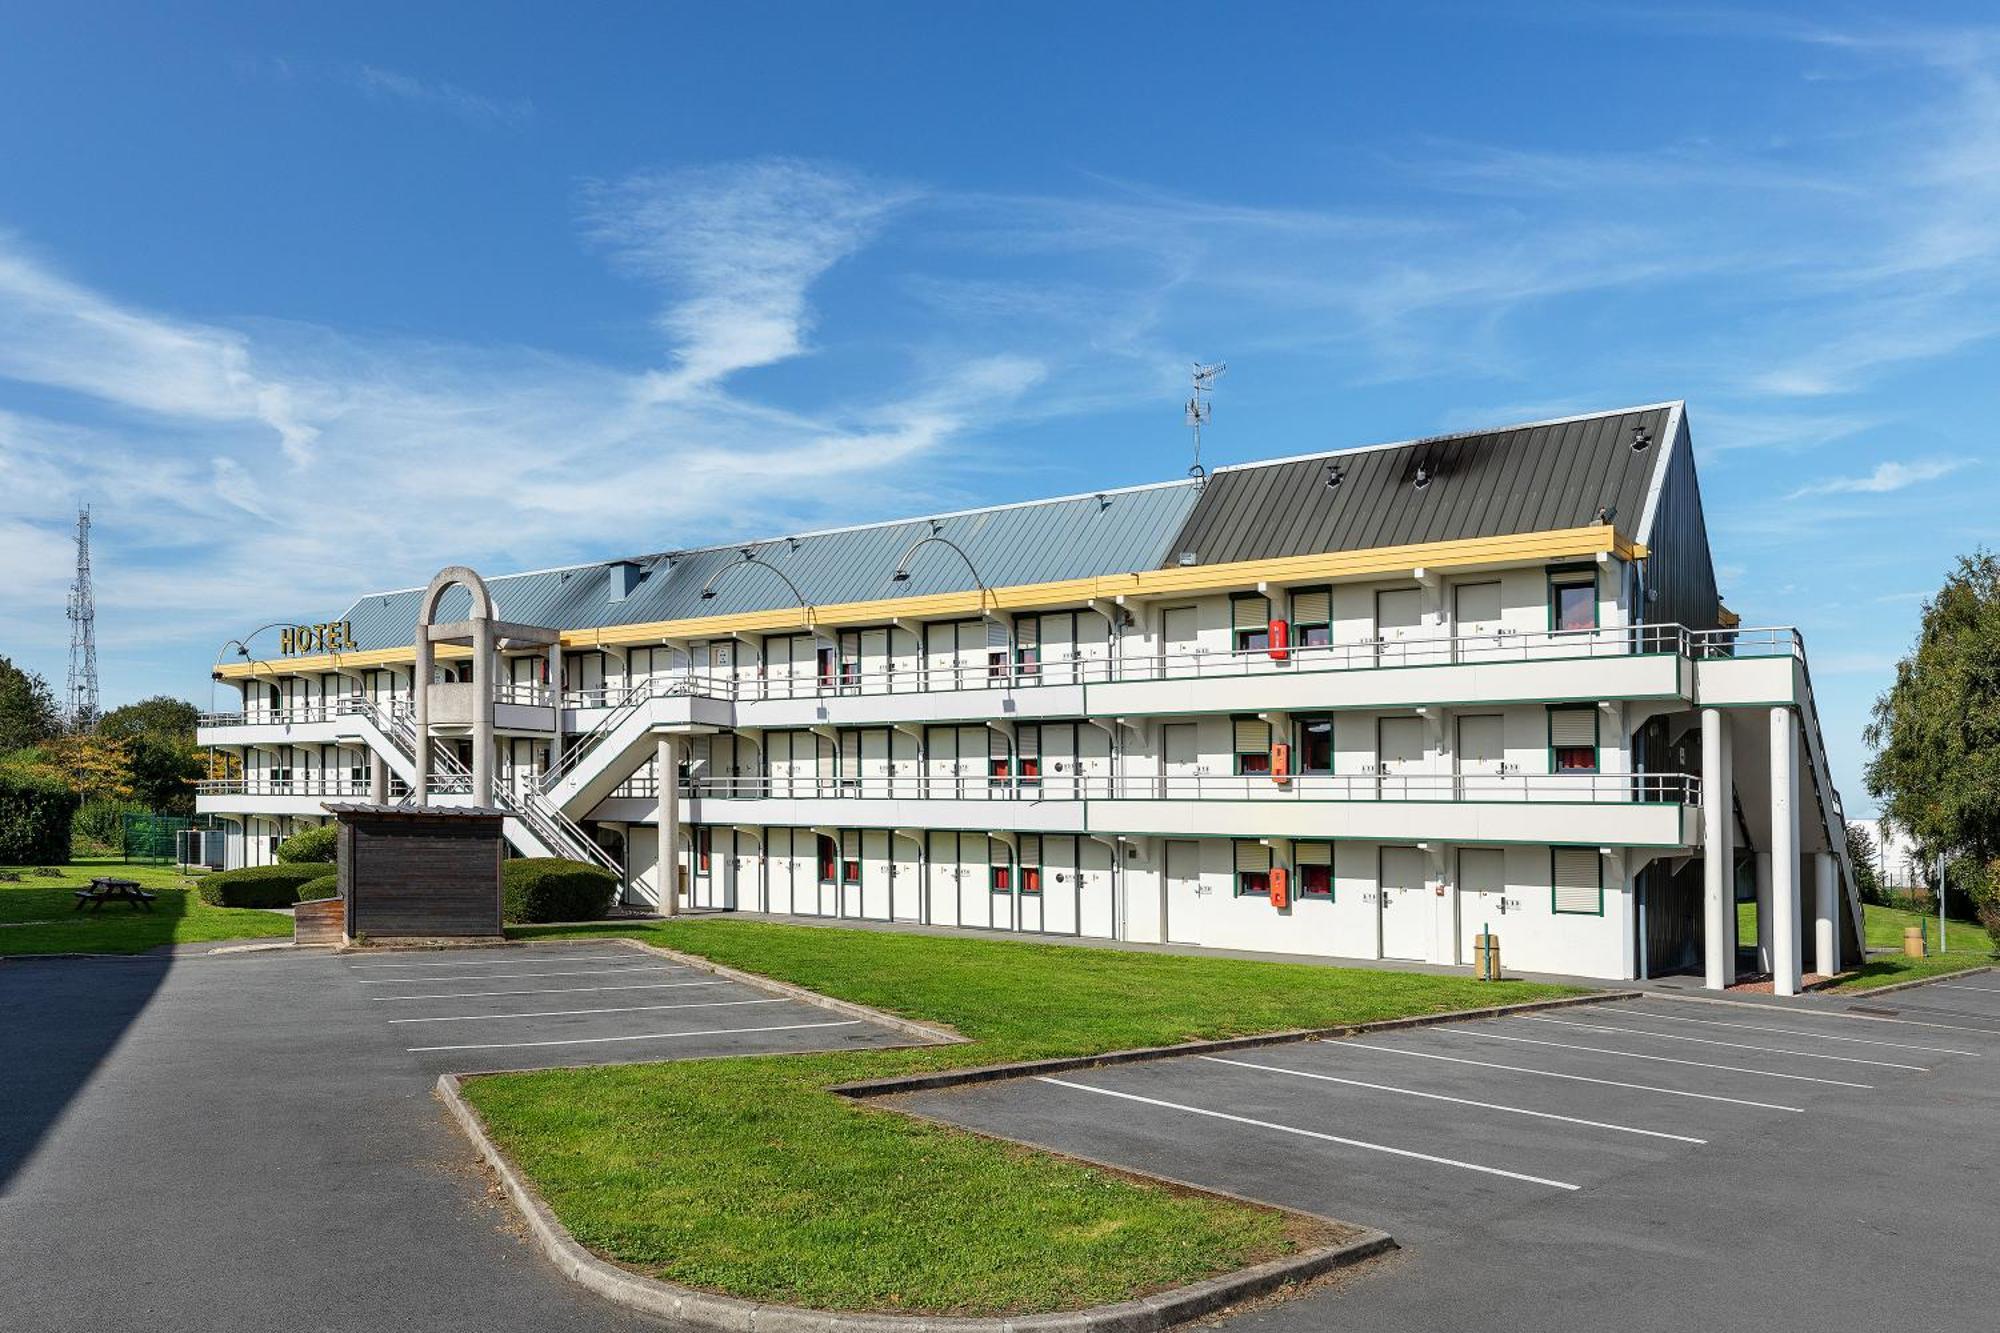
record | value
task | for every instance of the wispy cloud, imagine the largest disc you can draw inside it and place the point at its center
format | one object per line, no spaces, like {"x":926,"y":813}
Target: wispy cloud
{"x":395,"y":86}
{"x":1886,"y":477}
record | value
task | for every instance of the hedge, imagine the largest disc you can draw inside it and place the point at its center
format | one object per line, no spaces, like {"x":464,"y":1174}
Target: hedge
{"x":313,"y":846}
{"x":550,"y":888}
{"x":258,"y":886}
{"x":35,"y":817}
{"x":326,"y":886}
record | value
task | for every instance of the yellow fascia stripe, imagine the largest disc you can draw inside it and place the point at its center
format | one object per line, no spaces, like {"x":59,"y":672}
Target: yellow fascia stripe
{"x":1328,"y":567}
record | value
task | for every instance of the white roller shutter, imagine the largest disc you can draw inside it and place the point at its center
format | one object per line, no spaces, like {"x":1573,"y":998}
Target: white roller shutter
{"x":1312,"y":853}
{"x":1253,"y":735}
{"x":1312,"y":608}
{"x":1252,"y":857}
{"x":996,"y":636}
{"x":1572,"y":727}
{"x":1028,"y":632}
{"x":996,"y":744}
{"x":1031,"y":849}
{"x":1250,"y":612}
{"x":997,"y":853}
{"x":1579,"y":884}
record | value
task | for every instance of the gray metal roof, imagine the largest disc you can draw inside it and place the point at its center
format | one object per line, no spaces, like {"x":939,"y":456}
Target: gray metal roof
{"x":1042,"y":541}
{"x":1484,"y":484}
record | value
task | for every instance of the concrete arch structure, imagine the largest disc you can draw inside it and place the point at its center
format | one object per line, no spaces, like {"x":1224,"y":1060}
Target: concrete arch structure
{"x":479,"y":628}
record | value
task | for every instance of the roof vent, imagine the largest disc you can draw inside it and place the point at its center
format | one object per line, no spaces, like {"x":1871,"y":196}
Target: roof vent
{"x":1188,"y":558}
{"x":1642,"y":439}
{"x":624,"y":577}
{"x":1424,"y":473}
{"x":1334,"y":476}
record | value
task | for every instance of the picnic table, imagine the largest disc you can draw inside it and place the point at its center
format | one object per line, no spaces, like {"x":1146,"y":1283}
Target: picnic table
{"x":106,"y":888}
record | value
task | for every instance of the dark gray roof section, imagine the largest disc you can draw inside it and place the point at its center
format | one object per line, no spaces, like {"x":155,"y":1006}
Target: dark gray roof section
{"x":1043,"y":541}
{"x":1484,"y":484}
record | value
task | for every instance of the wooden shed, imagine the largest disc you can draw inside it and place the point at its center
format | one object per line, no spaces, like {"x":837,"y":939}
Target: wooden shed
{"x":420,"y":872}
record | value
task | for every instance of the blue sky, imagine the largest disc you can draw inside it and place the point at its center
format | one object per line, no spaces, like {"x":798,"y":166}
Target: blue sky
{"x":309,"y":300}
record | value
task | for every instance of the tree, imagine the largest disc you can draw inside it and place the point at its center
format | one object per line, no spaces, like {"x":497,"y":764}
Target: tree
{"x":28,"y":713}
{"x":1936,"y":734}
{"x":161,"y":715}
{"x":1861,"y":851}
{"x":96,"y":768}
{"x":165,"y":762}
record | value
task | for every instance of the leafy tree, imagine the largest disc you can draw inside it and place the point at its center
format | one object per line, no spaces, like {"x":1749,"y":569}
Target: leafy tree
{"x":1936,"y":734}
{"x":28,"y":713}
{"x":1862,"y":852}
{"x":165,"y":762}
{"x":95,"y":767}
{"x":161,"y":715}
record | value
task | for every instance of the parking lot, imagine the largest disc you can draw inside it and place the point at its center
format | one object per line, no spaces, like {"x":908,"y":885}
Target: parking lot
{"x":1643,"y":1163}
{"x":581,"y":1003}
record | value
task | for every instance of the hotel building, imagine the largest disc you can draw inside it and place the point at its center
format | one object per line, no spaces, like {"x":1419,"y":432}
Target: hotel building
{"x":1364,"y":704}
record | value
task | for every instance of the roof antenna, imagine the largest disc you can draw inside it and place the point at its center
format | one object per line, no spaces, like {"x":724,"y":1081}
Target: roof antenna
{"x":1199,"y":410}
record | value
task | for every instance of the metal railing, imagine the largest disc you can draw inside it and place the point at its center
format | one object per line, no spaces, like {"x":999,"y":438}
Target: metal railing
{"x":1553,"y":788}
{"x":1763,"y":641}
{"x":314,"y":784}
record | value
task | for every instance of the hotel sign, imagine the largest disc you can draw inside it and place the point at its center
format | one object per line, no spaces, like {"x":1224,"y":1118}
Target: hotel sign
{"x":333,"y":636}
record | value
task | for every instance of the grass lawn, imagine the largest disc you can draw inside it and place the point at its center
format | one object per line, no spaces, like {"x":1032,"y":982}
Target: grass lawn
{"x":39,"y":915}
{"x":747,"y":1176}
{"x":1970,"y":947}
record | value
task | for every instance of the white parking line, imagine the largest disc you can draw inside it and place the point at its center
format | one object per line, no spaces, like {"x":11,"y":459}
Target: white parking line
{"x":550,"y":990}
{"x":1310,"y":1133}
{"x":1960,"y":985}
{"x":1847,"y":1013}
{"x":1557,"y":1073}
{"x":1797,"y":1032}
{"x":509,"y":976}
{"x":1738,"y":1045}
{"x":1670,"y":1060}
{"x":643,"y":1036}
{"x":1462,"y":1101}
{"x":518,"y":958}
{"x":566,"y":1013}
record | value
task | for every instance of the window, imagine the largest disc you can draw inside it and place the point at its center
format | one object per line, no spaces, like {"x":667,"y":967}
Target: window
{"x":1028,"y":645}
{"x":1252,"y":745}
{"x":1031,"y":863}
{"x":1000,"y":867}
{"x":1028,"y":756}
{"x":827,"y":857}
{"x":996,"y":649}
{"x":999,"y":759}
{"x":1253,"y":869}
{"x":827,"y":659}
{"x":1576,"y":876}
{"x":1573,"y":603}
{"x":1312,"y":618}
{"x":1573,"y":740}
{"x":1250,"y":620}
{"x":1315,"y":869}
{"x":704,"y":846}
{"x":850,"y":857}
{"x":1315,"y":745}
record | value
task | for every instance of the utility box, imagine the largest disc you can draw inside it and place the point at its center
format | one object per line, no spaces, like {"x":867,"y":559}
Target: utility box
{"x":411,"y":872}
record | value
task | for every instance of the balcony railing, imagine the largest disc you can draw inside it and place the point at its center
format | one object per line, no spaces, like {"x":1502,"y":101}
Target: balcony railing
{"x":314,"y":784}
{"x":1553,"y":788}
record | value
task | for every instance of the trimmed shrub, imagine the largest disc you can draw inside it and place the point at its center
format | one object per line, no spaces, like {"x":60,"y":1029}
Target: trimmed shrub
{"x":550,"y":888}
{"x":313,"y":846}
{"x":36,"y":812}
{"x":326,"y":886}
{"x":258,"y":886}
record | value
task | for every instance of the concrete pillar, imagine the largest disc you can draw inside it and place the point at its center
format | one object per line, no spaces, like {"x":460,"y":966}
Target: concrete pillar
{"x":1785,"y":900}
{"x":420,"y":705}
{"x":482,"y":711}
{"x":1761,"y":869}
{"x":1718,"y":854}
{"x":667,"y":758}
{"x":378,"y":778}
{"x":1826,"y":913}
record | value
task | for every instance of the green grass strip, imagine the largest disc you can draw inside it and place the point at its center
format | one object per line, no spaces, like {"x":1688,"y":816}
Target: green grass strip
{"x":38,"y":915}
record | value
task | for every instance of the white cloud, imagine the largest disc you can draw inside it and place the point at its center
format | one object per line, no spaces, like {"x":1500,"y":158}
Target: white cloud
{"x":1886,"y":477}
{"x":392,"y":85}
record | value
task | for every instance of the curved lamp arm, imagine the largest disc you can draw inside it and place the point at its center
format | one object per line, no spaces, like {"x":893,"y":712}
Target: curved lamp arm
{"x":751,"y":558}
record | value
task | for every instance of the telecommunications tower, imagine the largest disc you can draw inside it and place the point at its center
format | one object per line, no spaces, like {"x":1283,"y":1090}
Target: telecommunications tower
{"x":81,"y":704}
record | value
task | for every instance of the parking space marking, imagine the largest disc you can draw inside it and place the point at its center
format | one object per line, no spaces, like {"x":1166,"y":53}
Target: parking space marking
{"x":1739,"y":1045}
{"x":641,"y":1036}
{"x":1797,"y":1032}
{"x":1959,"y":985}
{"x":488,"y":962}
{"x":511,"y":976}
{"x":1462,"y":1101}
{"x":1309,"y":1133}
{"x":1850,"y":1013}
{"x":1557,"y":1073}
{"x":551,"y":990}
{"x":567,"y":1013}
{"x":1670,"y":1060}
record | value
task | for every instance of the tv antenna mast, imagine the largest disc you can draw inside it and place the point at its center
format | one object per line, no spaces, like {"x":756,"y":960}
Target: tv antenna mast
{"x":82,"y":699}
{"x":1199,"y":410}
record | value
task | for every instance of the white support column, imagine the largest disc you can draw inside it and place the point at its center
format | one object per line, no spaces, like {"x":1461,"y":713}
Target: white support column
{"x":1761,"y":871}
{"x":484,"y":685}
{"x":420,"y":705}
{"x":1717,"y":853}
{"x":1826,"y":913}
{"x":667,"y":755}
{"x":1785,"y":912}
{"x":378,"y":778}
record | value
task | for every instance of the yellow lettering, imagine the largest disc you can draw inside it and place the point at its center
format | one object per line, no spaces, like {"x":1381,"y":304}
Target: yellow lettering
{"x":287,"y":643}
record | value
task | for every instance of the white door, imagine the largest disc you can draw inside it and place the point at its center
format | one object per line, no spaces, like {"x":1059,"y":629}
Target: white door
{"x":1180,"y":637}
{"x":1482,"y":896}
{"x":1182,"y":873}
{"x":1481,"y":756}
{"x":941,"y":879}
{"x":1180,"y":753}
{"x":1405,"y":906}
{"x":874,"y":661}
{"x":1400,"y":758}
{"x":1399,"y":618}
{"x":1475,"y":619}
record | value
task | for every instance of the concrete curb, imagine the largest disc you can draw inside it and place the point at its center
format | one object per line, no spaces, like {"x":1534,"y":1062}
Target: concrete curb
{"x":1911,"y":984}
{"x":953,"y":1078}
{"x":937,"y":1036}
{"x":729,"y":1314}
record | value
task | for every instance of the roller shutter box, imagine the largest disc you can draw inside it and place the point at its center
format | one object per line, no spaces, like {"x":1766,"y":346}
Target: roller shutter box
{"x":1572,"y":727}
{"x":1253,"y":735}
{"x":1250,"y":612}
{"x":1579,"y":885}
{"x":1252,"y":858}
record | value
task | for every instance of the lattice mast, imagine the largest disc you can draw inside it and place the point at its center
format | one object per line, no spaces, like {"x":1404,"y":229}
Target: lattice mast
{"x":81,"y":703}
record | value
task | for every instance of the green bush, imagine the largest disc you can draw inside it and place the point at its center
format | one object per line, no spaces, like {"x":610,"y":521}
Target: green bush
{"x":326,"y":886}
{"x":258,"y":886}
{"x":100,"y":824}
{"x":36,"y":813}
{"x":549,"y":888}
{"x":313,"y":846}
